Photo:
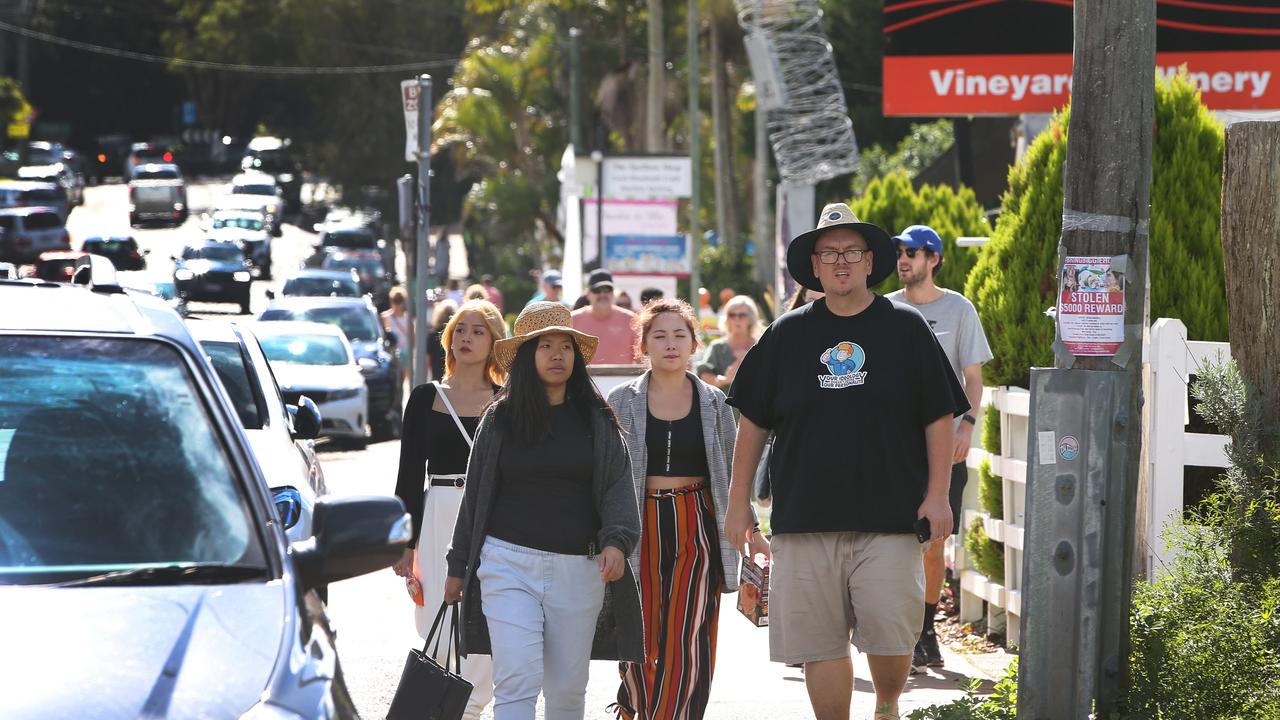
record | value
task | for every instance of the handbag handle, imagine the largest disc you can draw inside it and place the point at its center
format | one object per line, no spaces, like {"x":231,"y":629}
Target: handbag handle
{"x":452,"y":648}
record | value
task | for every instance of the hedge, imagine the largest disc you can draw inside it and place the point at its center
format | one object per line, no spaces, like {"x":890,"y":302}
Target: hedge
{"x":1014,"y":279}
{"x":893,"y":203}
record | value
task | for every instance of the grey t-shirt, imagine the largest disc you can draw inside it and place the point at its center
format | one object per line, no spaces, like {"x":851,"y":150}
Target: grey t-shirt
{"x":955,"y":322}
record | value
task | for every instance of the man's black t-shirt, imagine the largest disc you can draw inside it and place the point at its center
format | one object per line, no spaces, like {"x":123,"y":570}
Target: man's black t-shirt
{"x":848,"y":399}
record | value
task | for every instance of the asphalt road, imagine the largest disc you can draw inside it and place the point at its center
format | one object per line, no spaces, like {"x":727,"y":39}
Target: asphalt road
{"x":374,"y":615}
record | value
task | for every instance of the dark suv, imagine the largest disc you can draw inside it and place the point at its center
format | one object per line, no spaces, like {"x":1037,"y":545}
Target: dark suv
{"x":136,"y":528}
{"x":374,"y":349}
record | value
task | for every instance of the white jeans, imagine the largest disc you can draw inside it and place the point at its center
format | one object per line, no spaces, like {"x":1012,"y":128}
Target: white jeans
{"x":438,"y":516}
{"x":542,"y":609}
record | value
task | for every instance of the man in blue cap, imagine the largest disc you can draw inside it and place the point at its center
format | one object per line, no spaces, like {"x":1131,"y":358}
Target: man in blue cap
{"x":959,"y":331}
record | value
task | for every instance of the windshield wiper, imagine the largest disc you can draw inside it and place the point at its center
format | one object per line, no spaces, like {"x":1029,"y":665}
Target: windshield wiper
{"x":171,"y":575}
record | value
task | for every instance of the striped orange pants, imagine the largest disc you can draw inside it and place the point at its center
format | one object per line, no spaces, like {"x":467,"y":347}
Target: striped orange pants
{"x":680,"y":583}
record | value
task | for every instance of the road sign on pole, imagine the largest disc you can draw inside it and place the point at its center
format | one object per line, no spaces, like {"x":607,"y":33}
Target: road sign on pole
{"x":409,"y":100}
{"x":422,"y":103}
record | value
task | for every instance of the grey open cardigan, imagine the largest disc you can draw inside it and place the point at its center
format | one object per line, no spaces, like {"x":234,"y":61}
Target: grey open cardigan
{"x":719,"y":431}
{"x":620,"y":627}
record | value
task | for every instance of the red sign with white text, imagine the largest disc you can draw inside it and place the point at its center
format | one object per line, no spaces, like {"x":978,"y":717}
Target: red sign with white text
{"x":1012,"y":84}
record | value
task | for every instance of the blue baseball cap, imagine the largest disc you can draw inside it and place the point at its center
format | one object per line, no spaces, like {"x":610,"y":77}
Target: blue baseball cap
{"x":920,"y":236}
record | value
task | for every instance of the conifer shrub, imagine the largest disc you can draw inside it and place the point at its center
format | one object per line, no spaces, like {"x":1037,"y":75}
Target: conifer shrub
{"x":985,"y":555}
{"x":894,"y":204}
{"x":991,"y":430}
{"x":1014,"y":279}
{"x":990,"y":491}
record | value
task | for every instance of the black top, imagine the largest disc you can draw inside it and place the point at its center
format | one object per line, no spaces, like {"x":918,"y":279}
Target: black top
{"x":848,"y":399}
{"x":675,"y":447}
{"x":545,"y":499}
{"x":429,"y":437}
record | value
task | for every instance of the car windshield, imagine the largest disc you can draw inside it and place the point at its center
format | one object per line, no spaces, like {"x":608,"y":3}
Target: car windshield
{"x":40,"y":196}
{"x":8,"y":222}
{"x":351,"y":239}
{"x":242,"y":222}
{"x":161,"y":174}
{"x":254,"y":190}
{"x":225,"y":253}
{"x":109,"y":461}
{"x":356,"y":321}
{"x":242,"y":387}
{"x":364,"y":266}
{"x":321,"y":287}
{"x":114,"y":246}
{"x":304,"y":349}
{"x":43,"y":221}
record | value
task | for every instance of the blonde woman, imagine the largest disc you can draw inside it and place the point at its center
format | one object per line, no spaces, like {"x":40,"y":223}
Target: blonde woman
{"x":740,"y":323}
{"x":439,"y":428}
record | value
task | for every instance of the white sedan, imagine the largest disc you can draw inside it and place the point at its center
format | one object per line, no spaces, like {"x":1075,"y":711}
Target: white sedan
{"x":315,"y":359}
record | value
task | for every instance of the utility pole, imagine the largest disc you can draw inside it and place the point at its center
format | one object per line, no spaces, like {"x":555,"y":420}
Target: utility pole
{"x":423,"y":252}
{"x":764,"y":227}
{"x":695,"y":121}
{"x":575,"y":89}
{"x":1086,"y":427}
{"x":24,"y":55}
{"x":655,"y":127}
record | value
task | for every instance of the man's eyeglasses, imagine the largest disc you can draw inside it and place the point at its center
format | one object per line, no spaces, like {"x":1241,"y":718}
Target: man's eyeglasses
{"x":829,"y":257}
{"x":909,"y":252}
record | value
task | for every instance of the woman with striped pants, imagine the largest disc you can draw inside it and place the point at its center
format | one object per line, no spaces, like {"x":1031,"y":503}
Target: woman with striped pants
{"x":680,"y":434}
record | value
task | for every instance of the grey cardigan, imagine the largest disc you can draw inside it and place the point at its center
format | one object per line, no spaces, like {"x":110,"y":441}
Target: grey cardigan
{"x":719,"y":431}
{"x":620,"y":628}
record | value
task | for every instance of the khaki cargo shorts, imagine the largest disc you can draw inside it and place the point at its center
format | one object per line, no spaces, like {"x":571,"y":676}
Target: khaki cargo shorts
{"x":825,"y":588}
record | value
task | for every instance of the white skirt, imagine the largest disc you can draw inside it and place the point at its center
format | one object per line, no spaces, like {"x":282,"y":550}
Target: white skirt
{"x":439,"y":514}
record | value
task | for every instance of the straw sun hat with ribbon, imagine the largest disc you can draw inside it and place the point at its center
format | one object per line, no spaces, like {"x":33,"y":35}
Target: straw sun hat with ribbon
{"x":542,"y":318}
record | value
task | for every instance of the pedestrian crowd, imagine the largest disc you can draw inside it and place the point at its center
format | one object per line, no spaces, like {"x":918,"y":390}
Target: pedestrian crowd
{"x":573,"y":526}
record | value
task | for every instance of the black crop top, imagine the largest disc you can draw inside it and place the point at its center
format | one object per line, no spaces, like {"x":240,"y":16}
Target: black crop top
{"x":676,"y":447}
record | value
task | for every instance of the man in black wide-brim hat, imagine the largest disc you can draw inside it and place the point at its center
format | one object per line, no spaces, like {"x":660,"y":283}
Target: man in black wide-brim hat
{"x":861,"y":400}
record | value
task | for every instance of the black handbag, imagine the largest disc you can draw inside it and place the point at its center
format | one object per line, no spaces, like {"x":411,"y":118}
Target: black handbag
{"x":428,"y":690}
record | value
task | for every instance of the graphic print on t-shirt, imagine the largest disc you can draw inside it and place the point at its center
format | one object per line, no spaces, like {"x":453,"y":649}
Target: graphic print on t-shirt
{"x":844,"y":361}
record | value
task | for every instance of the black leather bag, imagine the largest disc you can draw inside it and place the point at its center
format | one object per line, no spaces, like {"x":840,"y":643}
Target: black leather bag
{"x":428,"y":690}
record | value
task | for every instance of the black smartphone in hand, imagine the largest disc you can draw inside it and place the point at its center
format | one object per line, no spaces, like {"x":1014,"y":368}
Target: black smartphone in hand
{"x":923,"y":529}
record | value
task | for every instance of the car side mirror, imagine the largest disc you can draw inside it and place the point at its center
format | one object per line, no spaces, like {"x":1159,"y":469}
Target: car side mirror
{"x":354,"y":535}
{"x":305,"y":417}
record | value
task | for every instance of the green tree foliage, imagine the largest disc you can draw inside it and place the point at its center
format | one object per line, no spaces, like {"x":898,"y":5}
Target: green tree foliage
{"x":892,"y":203}
{"x":1014,"y":280}
{"x":923,"y":144}
{"x":1187,"y":280}
{"x":991,"y":431}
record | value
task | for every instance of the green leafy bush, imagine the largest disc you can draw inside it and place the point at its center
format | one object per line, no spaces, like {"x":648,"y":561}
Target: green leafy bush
{"x":1206,"y":633}
{"x":985,"y":555}
{"x":893,"y":203}
{"x":1001,"y":704}
{"x":990,"y":491}
{"x":991,"y":430}
{"x":1015,"y":278}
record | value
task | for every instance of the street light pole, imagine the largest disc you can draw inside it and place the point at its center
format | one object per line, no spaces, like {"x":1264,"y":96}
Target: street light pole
{"x":695,"y":121}
{"x":421,"y":273}
{"x":575,"y":89}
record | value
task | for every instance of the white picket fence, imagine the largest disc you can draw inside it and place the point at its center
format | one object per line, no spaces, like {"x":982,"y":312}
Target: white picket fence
{"x":1171,"y":361}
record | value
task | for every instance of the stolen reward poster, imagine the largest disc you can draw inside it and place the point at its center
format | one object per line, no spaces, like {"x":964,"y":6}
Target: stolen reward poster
{"x":1091,"y":306}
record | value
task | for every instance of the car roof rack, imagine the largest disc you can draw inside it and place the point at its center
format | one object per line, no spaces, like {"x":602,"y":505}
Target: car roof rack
{"x":96,"y":273}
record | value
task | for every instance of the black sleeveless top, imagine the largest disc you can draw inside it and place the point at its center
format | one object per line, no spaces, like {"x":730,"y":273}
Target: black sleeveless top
{"x":676,"y":447}
{"x":430,"y":438}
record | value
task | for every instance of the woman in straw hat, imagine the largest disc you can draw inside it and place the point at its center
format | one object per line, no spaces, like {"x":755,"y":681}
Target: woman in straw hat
{"x":439,"y":424}
{"x":549,"y":518}
{"x":681,"y":435}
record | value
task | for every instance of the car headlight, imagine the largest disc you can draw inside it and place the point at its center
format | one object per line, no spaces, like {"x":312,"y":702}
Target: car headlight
{"x":366,"y":363}
{"x":285,"y":178}
{"x":288,"y":506}
{"x":183,"y":274}
{"x":266,"y":711}
{"x":345,"y":394}
{"x":242,"y":276}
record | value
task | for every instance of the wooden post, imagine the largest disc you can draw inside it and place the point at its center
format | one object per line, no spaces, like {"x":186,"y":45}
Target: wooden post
{"x":655,"y":117}
{"x":1251,"y":253}
{"x":1106,"y":208}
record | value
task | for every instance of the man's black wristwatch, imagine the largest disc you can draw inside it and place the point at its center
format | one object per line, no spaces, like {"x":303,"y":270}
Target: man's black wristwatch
{"x":969,"y":419}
